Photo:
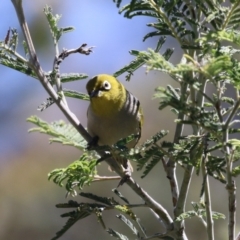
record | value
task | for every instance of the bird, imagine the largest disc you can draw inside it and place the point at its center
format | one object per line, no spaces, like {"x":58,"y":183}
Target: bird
{"x":113,"y":113}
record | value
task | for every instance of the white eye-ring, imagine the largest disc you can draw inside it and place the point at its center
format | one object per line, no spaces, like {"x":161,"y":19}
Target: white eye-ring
{"x":106,"y":85}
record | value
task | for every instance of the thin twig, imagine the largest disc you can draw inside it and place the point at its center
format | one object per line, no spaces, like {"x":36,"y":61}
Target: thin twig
{"x":170,"y":166}
{"x":208,"y":206}
{"x":98,"y":178}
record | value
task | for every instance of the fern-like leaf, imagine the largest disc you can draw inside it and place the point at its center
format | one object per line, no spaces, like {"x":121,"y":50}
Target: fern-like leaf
{"x":129,"y":224}
{"x":53,"y":21}
{"x":77,"y":174}
{"x":116,"y":234}
{"x":105,"y":200}
{"x":75,"y":94}
{"x":72,"y":77}
{"x":61,"y":132}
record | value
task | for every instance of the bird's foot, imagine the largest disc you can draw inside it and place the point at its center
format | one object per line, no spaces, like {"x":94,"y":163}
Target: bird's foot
{"x":93,"y":143}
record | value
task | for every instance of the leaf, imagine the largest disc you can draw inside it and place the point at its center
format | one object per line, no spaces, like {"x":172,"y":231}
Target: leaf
{"x":105,"y":200}
{"x":116,"y":234}
{"x":155,"y":158}
{"x":217,"y":215}
{"x":138,"y":62}
{"x":77,"y":174}
{"x":234,"y":142}
{"x":131,"y":67}
{"x":74,"y":216}
{"x":75,"y":94}
{"x":185,"y":215}
{"x":8,"y":59}
{"x":236,"y":171}
{"x":52,"y":21}
{"x":61,"y":132}
{"x":218,"y":65}
{"x":129,"y":224}
{"x":125,"y":209}
{"x":150,"y":152}
{"x":72,"y":77}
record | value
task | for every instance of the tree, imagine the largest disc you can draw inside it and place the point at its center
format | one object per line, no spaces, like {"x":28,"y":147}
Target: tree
{"x":206,"y":32}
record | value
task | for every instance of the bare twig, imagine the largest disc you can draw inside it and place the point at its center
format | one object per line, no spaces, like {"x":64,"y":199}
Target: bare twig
{"x":170,"y":165}
{"x":98,"y":178}
{"x":208,"y":206}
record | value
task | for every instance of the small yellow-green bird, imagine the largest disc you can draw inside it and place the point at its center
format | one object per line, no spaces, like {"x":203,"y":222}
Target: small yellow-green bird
{"x":113,"y":113}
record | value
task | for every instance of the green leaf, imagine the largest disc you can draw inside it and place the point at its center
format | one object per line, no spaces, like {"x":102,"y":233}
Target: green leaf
{"x":234,"y":142}
{"x":218,"y":65}
{"x":73,"y":218}
{"x":217,"y":215}
{"x":185,"y":215}
{"x":72,"y":77}
{"x":156,"y":156}
{"x":199,"y":213}
{"x":61,"y":132}
{"x":139,"y":61}
{"x":13,"y":42}
{"x":150,"y":153}
{"x":131,"y":67}
{"x":67,"y":29}
{"x":125,"y":209}
{"x":236,"y":171}
{"x":53,"y":21}
{"x":82,"y":211}
{"x":8,"y":59}
{"x":77,"y":174}
{"x":75,"y":94}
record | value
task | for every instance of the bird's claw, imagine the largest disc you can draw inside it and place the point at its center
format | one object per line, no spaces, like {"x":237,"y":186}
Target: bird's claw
{"x":93,"y":143}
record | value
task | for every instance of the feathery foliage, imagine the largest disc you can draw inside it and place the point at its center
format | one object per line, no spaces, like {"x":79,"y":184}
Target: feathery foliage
{"x":207,"y":37}
{"x":61,"y":132}
{"x":77,"y":174}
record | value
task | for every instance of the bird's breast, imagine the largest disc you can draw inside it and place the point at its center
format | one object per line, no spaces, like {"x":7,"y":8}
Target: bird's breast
{"x":113,"y":127}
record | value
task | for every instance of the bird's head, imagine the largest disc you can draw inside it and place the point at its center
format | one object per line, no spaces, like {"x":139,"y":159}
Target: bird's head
{"x":106,"y":93}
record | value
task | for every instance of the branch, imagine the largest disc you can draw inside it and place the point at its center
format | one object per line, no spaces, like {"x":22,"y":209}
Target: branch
{"x":231,"y":186}
{"x":34,"y":63}
{"x":98,"y":178}
{"x":208,"y":205}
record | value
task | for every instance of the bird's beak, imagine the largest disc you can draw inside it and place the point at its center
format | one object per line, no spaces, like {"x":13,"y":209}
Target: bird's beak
{"x":94,"y":93}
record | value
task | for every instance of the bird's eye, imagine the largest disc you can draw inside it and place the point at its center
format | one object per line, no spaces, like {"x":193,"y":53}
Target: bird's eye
{"x":106,"y":85}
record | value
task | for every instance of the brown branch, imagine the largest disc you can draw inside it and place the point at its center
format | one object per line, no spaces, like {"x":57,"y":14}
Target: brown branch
{"x":34,"y":63}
